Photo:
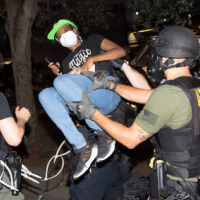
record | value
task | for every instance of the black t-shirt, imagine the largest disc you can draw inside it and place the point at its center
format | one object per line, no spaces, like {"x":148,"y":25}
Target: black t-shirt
{"x":89,"y":47}
{"x":4,"y":113}
{"x":4,"y":107}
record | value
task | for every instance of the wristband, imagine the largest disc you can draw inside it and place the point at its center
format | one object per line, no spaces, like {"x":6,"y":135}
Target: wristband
{"x":115,"y":86}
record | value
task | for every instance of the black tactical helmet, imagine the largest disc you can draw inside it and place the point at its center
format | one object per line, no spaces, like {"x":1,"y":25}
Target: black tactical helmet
{"x":177,"y":42}
{"x":172,"y":42}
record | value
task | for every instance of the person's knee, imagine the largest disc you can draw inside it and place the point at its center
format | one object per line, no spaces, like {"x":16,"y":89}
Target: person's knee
{"x":44,"y":94}
{"x":58,"y":81}
{"x":63,"y":82}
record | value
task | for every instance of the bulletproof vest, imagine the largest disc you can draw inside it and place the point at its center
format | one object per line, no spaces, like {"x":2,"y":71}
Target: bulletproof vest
{"x":4,"y":147}
{"x":181,"y":147}
{"x":4,"y":150}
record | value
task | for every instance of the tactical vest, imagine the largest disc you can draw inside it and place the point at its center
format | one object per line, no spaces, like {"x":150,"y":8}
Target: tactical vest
{"x":4,"y":147}
{"x":181,"y":147}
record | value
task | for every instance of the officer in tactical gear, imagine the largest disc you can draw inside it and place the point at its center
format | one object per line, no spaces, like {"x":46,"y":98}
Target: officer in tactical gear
{"x":170,"y":117}
{"x":11,"y":134}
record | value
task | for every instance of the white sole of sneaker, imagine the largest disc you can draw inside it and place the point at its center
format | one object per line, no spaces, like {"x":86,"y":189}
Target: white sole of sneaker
{"x":89,"y":162}
{"x":110,"y":153}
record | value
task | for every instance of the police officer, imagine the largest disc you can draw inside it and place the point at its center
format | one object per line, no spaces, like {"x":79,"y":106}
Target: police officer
{"x":11,"y":134}
{"x":171,"y":115}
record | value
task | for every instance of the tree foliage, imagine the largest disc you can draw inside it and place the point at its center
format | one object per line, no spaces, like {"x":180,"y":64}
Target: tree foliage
{"x":157,"y":14}
{"x":86,"y":14}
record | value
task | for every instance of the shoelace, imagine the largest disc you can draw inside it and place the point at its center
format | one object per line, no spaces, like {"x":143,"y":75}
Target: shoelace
{"x":92,"y":139}
{"x":77,"y":160}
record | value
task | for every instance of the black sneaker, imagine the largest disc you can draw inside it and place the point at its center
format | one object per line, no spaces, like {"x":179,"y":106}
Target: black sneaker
{"x":84,"y":158}
{"x":106,"y":146}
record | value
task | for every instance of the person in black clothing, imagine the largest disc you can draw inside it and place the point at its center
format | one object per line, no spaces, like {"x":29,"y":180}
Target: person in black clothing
{"x":11,"y":134}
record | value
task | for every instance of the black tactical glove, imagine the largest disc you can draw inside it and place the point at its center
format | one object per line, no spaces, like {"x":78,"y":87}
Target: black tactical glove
{"x":100,"y":82}
{"x":83,"y":109}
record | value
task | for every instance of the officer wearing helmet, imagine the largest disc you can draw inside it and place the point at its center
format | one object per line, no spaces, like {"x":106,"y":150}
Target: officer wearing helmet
{"x":170,"y":117}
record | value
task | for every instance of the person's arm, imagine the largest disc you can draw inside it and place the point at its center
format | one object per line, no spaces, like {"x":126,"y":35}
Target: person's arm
{"x":157,"y":113}
{"x":76,"y":71}
{"x":133,"y":94}
{"x":129,"y":137}
{"x":130,"y":93}
{"x":136,"y":78}
{"x":13,"y":131}
{"x":112,"y":52}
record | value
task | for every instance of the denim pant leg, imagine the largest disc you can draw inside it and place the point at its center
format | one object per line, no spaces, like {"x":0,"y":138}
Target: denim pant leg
{"x":71,"y":86}
{"x":106,"y":100}
{"x":57,"y":110}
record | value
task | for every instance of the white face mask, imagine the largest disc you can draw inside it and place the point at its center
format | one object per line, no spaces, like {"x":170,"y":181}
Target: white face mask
{"x":68,"y":39}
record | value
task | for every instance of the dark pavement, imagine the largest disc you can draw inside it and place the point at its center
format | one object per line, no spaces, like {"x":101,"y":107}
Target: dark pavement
{"x":58,"y":188}
{"x":53,"y":189}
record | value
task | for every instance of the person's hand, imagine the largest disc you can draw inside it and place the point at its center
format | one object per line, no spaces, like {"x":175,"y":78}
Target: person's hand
{"x":77,"y":71}
{"x":86,"y":66}
{"x":83,"y":109}
{"x":55,"y":68}
{"x":100,"y":82}
{"x":22,"y":113}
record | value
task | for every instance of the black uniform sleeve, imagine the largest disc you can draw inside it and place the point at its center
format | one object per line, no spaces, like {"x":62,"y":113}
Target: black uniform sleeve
{"x":4,"y":107}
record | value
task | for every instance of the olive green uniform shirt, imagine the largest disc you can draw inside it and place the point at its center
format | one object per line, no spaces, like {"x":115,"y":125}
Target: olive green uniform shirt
{"x":167,"y":106}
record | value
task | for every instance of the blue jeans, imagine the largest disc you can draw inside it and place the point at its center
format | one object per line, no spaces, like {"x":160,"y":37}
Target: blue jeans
{"x":69,"y":87}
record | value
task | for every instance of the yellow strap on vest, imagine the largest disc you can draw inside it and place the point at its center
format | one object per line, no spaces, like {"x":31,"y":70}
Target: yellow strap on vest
{"x":152,"y":161}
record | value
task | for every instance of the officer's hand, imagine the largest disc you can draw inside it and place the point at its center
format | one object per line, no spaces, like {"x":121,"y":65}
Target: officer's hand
{"x":100,"y":82}
{"x":22,"y":113}
{"x":55,"y":68}
{"x":83,"y":109}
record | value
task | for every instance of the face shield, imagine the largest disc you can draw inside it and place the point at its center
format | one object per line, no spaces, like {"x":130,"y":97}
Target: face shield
{"x":147,"y":57}
{"x":154,"y":68}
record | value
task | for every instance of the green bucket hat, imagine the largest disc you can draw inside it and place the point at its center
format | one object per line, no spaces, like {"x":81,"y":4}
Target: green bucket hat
{"x":58,"y":25}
